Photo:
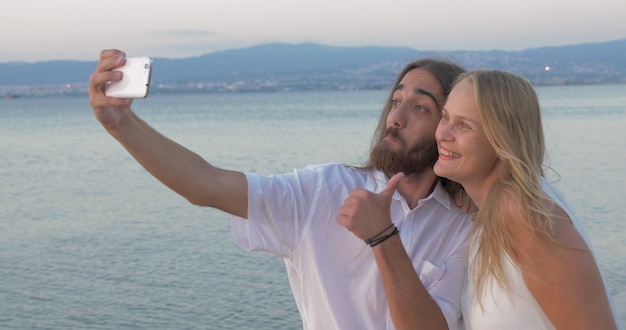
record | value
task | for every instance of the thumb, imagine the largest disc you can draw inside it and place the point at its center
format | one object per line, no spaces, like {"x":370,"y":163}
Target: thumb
{"x":391,"y":186}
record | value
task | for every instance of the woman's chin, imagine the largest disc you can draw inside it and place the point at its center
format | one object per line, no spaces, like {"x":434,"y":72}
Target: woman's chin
{"x":441,"y":171}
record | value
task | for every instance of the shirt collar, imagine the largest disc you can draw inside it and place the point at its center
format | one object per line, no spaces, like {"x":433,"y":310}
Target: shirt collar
{"x":377,"y":181}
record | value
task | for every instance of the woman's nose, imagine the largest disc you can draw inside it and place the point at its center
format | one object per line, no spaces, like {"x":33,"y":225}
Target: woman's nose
{"x":442,"y":132}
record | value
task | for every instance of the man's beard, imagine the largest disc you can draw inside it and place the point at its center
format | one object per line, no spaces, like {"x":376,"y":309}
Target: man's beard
{"x":420,"y":157}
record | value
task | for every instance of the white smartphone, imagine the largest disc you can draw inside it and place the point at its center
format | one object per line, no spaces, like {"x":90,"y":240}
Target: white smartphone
{"x":135,"y":82}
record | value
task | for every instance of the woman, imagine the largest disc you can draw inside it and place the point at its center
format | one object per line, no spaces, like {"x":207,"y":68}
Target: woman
{"x":529,"y":266}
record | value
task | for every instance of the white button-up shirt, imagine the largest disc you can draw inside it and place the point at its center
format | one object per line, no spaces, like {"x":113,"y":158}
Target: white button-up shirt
{"x":333,"y":274}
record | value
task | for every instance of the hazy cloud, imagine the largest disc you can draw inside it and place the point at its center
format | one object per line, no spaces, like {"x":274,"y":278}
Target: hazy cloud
{"x":183,"y":33}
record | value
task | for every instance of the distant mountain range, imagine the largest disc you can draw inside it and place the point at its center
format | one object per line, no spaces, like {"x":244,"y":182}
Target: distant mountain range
{"x":315,"y":66}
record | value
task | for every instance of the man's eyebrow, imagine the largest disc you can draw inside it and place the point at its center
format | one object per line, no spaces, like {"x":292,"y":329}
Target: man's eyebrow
{"x":419,"y":91}
{"x":427,"y":93}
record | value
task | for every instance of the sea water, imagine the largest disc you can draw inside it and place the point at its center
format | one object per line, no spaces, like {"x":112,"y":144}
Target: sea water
{"x":89,"y":240}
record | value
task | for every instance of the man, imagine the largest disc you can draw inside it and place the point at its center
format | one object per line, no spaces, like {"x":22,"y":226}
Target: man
{"x":409,"y":277}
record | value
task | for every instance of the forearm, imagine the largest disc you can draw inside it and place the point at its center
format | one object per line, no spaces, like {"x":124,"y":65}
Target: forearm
{"x":410,"y":304}
{"x":180,"y":169}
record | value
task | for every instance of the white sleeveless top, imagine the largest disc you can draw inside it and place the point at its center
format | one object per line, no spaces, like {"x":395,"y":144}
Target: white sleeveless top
{"x":518,"y":309}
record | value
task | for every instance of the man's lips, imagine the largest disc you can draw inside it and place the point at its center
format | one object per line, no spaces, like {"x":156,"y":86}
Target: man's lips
{"x":393,"y":135}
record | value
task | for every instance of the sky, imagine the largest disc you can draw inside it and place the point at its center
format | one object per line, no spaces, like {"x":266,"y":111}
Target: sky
{"x":43,"y":30}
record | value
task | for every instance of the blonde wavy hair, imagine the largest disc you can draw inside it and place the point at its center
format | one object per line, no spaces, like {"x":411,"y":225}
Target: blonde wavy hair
{"x":511,"y":117}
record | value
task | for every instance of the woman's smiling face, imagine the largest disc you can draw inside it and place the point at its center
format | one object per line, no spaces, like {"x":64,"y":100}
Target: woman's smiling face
{"x":465,"y":153}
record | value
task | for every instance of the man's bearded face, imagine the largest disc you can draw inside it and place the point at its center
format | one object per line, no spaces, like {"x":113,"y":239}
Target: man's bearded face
{"x":409,"y":159}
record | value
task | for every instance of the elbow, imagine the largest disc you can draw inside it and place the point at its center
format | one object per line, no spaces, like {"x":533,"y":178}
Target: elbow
{"x":197,"y":200}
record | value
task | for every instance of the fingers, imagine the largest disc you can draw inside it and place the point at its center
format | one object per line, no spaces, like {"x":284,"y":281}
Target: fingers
{"x":391,"y":186}
{"x":365,"y":213}
{"x":355,"y":196}
{"x":463,"y":198}
{"x":464,"y":202}
{"x":109,"y":60}
{"x":458,"y":198}
{"x":98,"y":79}
{"x":351,"y":203}
{"x":107,"y":53}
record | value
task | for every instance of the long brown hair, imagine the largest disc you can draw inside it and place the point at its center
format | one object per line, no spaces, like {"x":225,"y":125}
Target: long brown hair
{"x":445,"y":72}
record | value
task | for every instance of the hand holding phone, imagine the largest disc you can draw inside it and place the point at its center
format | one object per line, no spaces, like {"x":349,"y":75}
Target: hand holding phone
{"x":135,"y":82}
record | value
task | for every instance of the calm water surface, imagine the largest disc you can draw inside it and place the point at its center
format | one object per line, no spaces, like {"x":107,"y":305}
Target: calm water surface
{"x":89,"y":240}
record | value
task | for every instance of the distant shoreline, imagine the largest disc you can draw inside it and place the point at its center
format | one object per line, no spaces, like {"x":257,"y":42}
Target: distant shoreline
{"x":311,"y":67}
{"x":81,"y":90}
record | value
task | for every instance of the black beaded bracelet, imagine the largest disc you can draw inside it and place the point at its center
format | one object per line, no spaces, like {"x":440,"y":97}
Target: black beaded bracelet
{"x":378,"y":238}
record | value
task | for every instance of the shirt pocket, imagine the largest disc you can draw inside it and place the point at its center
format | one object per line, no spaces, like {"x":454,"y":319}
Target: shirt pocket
{"x":430,"y":274}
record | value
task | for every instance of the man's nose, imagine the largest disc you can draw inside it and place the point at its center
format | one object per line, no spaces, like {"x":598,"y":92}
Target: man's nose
{"x":397,"y":116}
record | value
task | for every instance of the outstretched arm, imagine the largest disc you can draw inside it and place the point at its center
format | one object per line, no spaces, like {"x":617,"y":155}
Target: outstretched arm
{"x":366,"y":214}
{"x":177,"y":167}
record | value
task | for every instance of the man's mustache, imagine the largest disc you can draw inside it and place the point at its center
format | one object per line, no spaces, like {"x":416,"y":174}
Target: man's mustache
{"x":394,"y":132}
